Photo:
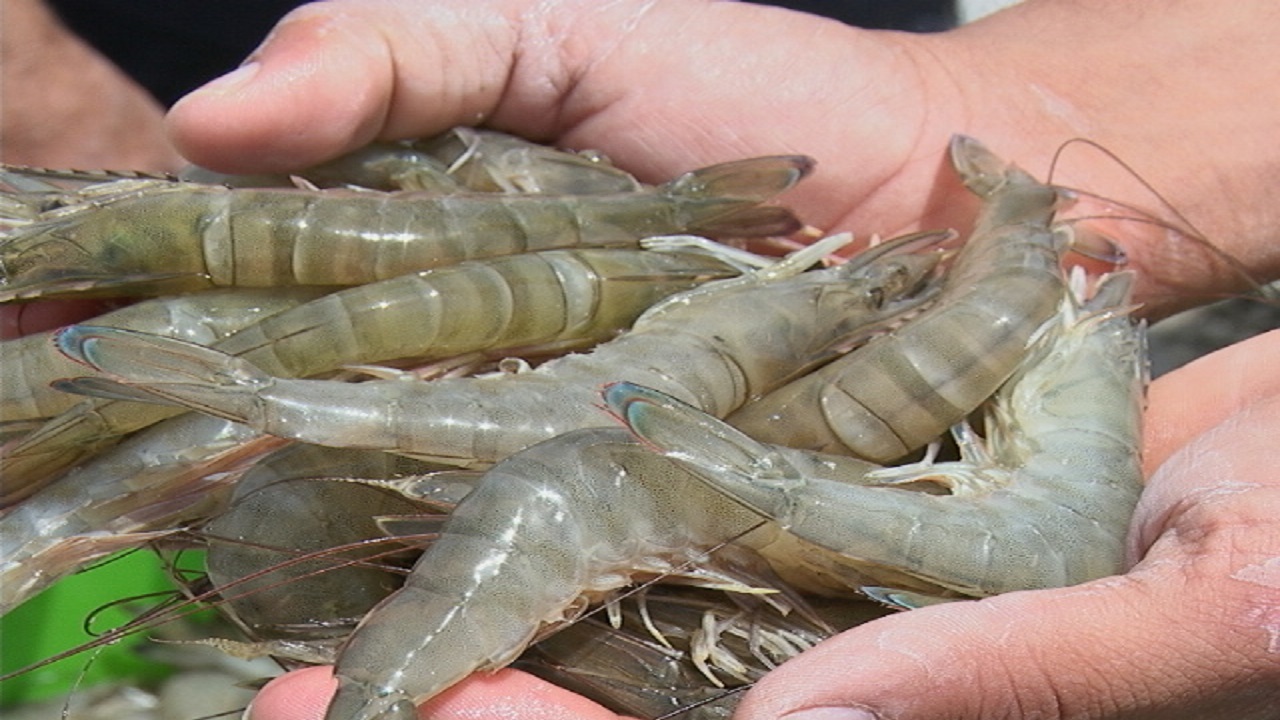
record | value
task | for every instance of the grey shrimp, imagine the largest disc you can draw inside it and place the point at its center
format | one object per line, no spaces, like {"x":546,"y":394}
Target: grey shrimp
{"x":695,"y":346}
{"x":148,"y":236}
{"x":1045,"y":502}
{"x":556,"y":298}
{"x":459,"y":159}
{"x":904,"y":389}
{"x":543,"y":532}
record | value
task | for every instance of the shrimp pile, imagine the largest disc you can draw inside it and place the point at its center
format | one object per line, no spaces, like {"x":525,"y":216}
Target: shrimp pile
{"x":515,"y":382}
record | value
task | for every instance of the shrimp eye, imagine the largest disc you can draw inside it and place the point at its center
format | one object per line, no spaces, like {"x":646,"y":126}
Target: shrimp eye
{"x":876,"y":296}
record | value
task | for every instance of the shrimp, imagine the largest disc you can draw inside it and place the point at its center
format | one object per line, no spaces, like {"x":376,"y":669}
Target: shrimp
{"x":1045,"y":502}
{"x":542,"y":532}
{"x":498,"y":162}
{"x":907,"y":387}
{"x":150,"y":485}
{"x":554,"y":298}
{"x":460,"y":159}
{"x":145,"y":236}
{"x":306,"y":498}
{"x":28,"y":365}
{"x":694,"y":345}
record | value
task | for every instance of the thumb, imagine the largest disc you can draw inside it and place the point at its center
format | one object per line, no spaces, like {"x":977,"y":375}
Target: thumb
{"x":1103,"y":649}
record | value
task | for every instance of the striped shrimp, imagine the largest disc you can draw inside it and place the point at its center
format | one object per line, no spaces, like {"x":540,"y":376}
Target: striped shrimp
{"x":460,"y":159}
{"x":551,"y":298}
{"x":542,"y":533}
{"x":1044,"y":502}
{"x":145,"y":236}
{"x":28,"y":365}
{"x":904,"y":389}
{"x":694,"y":345}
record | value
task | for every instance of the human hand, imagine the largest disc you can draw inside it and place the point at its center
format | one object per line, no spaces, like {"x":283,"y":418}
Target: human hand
{"x":876,"y":109}
{"x":663,"y":87}
{"x":66,"y":106}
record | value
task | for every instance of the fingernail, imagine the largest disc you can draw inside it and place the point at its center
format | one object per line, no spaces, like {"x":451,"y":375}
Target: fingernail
{"x":831,"y":713}
{"x":233,"y":81}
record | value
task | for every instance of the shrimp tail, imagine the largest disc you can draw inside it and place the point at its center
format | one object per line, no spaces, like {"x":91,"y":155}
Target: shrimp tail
{"x":735,"y":183}
{"x":682,"y":432}
{"x":707,"y":444}
{"x":162,"y":370}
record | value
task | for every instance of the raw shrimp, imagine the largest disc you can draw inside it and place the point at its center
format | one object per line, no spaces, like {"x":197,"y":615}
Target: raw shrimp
{"x":904,"y":389}
{"x":29,"y":364}
{"x":147,"y":487}
{"x":144,"y":236}
{"x":550,"y":527}
{"x":576,"y":297}
{"x":302,"y":499}
{"x":460,"y":159}
{"x":543,"y":533}
{"x":1045,"y":502}
{"x":565,"y":298}
{"x":696,"y":346}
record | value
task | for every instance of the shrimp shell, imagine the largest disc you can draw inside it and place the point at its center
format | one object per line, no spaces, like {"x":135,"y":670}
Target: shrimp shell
{"x":907,"y":387}
{"x":144,"y":236}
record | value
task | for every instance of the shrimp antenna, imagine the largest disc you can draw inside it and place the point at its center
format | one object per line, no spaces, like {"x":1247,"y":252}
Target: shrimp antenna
{"x":237,"y":712}
{"x":176,"y":609}
{"x":1182,"y":224}
{"x":705,"y":701}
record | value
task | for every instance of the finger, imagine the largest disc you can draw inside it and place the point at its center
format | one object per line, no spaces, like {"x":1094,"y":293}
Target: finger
{"x":1192,"y":631}
{"x":1188,"y":401}
{"x":611,"y":76}
{"x":28,"y":318}
{"x":299,"y":695}
{"x":305,"y":694}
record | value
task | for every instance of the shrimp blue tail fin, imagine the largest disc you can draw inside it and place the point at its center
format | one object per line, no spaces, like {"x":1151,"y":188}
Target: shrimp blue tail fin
{"x":163,"y":370}
{"x":715,"y":451}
